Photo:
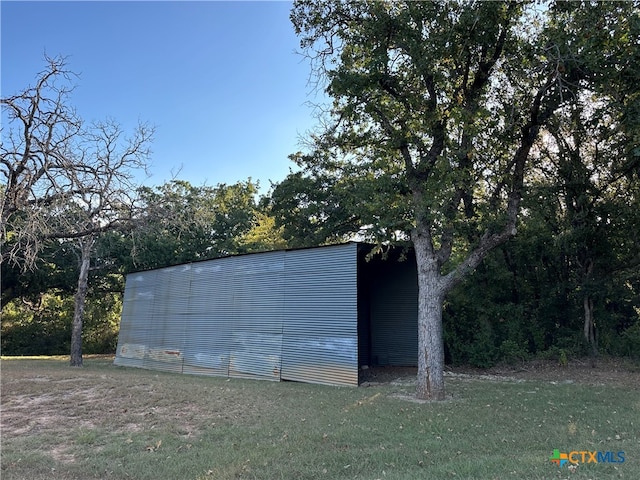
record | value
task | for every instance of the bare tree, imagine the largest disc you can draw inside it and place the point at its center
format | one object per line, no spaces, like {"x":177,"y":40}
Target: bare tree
{"x":106,"y":201}
{"x":65,"y":181}
{"x":34,"y":155}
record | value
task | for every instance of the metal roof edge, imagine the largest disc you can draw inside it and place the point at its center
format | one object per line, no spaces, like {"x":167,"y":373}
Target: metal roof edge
{"x":350,"y":242}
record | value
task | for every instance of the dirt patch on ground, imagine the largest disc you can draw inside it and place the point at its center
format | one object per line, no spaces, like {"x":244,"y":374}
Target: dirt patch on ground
{"x":65,"y":403}
{"x":607,"y":371}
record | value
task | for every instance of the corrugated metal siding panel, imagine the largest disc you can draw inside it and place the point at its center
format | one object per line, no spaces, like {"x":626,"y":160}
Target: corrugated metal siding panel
{"x":243,"y":316}
{"x":210,"y":324}
{"x":320,"y":337}
{"x":168,"y":319}
{"x":207,"y":346}
{"x":394,"y":315}
{"x":135,"y":324}
{"x":258,"y":299}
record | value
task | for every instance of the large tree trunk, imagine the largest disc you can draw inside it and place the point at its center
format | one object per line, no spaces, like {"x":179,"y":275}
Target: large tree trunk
{"x":79,"y":301}
{"x":430,"y":381}
{"x":430,"y":384}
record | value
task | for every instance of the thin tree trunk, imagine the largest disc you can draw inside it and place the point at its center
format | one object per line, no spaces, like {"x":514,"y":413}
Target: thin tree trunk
{"x":79,"y":301}
{"x":589,"y":328}
{"x":430,"y":381}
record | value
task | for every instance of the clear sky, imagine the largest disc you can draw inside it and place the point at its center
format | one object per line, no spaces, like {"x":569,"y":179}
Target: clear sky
{"x":220,"y":81}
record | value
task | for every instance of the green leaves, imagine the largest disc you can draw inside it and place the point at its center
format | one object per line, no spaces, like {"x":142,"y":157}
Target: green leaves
{"x":415,"y":103}
{"x":184,"y":223}
{"x":440,"y":126}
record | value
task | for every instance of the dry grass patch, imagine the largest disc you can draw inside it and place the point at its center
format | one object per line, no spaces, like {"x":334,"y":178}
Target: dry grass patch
{"x":54,"y":411}
{"x":123,"y":400}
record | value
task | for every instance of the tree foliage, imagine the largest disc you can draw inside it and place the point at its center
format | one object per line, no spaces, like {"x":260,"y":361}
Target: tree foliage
{"x":431,"y":136}
{"x":180,"y":223}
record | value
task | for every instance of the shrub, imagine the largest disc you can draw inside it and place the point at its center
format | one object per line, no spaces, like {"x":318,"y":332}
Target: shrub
{"x":512,"y":352}
{"x":629,"y":344}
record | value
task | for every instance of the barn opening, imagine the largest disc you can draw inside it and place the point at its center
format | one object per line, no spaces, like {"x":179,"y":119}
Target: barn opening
{"x":314,"y":315}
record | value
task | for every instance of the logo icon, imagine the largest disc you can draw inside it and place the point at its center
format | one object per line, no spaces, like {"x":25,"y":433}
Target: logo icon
{"x":559,"y":458}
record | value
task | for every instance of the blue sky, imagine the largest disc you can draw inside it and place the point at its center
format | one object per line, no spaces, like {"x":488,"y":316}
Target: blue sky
{"x":220,"y":80}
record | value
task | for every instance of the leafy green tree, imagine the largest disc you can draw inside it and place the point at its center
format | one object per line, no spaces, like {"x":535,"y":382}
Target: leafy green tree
{"x":311,"y":211}
{"x":56,"y":269}
{"x":44,"y":327}
{"x":182,"y":223}
{"x":264,"y":234}
{"x":591,"y":152}
{"x":436,"y":111}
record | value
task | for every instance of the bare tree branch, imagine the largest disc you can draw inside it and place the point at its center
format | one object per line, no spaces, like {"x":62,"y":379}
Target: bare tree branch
{"x":63,"y":179}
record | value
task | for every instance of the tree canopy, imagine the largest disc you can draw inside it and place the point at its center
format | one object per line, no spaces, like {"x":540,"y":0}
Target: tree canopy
{"x":436,"y":121}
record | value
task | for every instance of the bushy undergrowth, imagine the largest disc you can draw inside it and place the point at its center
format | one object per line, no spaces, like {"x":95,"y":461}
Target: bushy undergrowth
{"x":44,"y":328}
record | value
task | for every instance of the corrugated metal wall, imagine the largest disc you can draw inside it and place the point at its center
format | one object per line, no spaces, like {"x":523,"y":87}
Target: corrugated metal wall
{"x":258,"y":301}
{"x":210,"y":318}
{"x":394,"y":313}
{"x":136,"y":321}
{"x":288,"y":315}
{"x":169,"y":313}
{"x":320,"y":337}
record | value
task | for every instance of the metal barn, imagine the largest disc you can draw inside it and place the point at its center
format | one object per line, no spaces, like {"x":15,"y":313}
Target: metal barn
{"x":311,"y":315}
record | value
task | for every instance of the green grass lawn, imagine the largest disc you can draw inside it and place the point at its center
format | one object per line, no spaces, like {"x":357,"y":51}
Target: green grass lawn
{"x":104,"y":422}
